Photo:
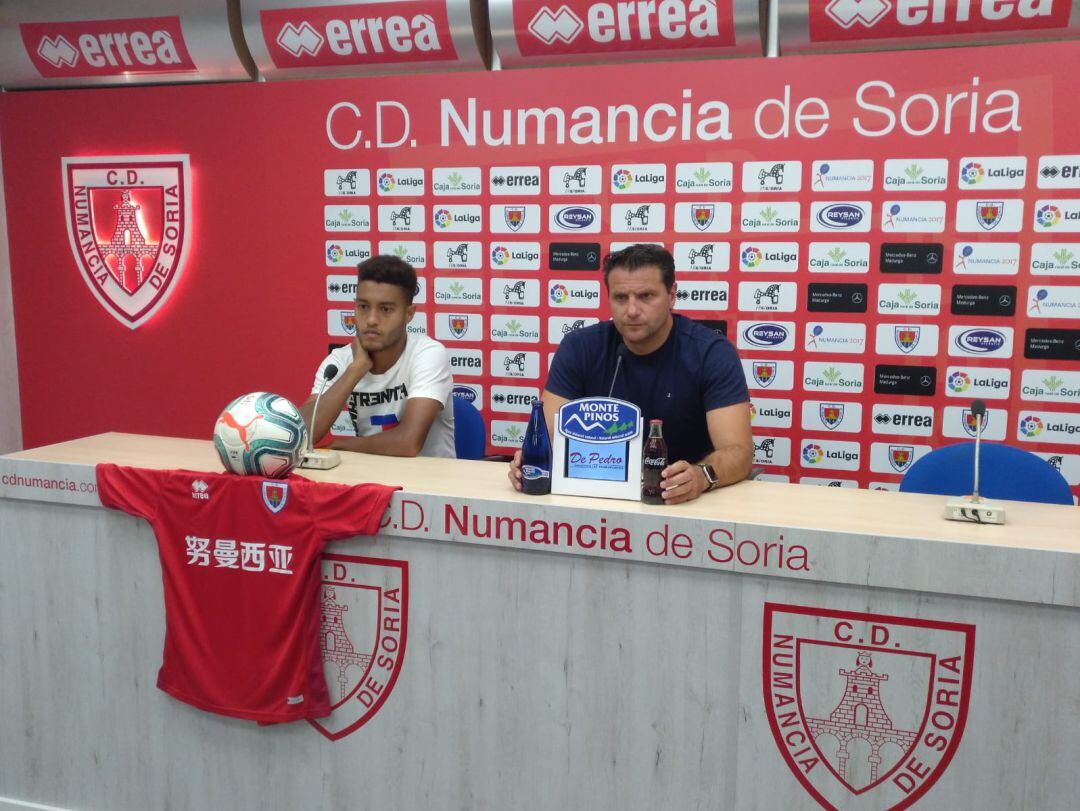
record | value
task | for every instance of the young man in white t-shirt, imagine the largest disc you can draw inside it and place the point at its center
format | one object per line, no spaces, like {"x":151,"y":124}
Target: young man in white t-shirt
{"x":395,"y":386}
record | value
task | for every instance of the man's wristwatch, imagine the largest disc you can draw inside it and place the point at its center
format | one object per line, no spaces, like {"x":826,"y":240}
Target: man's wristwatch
{"x":710,"y":477}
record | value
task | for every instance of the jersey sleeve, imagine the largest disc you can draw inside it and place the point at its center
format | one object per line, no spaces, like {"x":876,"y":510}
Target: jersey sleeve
{"x":336,"y":359}
{"x":342,"y":511}
{"x":430,"y":375}
{"x":133,"y":490}
{"x":725,"y":383}
{"x":565,"y":375}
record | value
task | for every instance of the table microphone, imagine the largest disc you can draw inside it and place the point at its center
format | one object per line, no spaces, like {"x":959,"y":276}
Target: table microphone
{"x":321,"y":458}
{"x":974,"y":508}
{"x":620,"y":353}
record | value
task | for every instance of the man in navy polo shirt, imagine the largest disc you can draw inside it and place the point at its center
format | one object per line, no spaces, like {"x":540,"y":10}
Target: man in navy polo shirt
{"x":673,"y":368}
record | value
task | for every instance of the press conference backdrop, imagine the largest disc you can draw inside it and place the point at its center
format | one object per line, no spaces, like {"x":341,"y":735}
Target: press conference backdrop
{"x":884,"y":237}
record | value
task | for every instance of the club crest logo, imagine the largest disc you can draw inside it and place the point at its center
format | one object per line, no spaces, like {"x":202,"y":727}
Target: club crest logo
{"x":459,"y":325}
{"x":971,"y":422}
{"x":831,"y":414}
{"x":989,"y":213}
{"x":127,"y":221}
{"x":703,"y":215}
{"x":274,"y":495}
{"x":764,"y":372}
{"x":866,"y":709}
{"x":365,"y":613}
{"x":907,"y":338}
{"x":514,"y":216}
{"x":901,"y":456}
{"x":348,"y":321}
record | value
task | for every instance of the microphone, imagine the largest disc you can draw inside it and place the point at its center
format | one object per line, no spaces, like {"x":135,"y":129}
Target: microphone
{"x":620,"y":353}
{"x":978,"y":411}
{"x":974,"y":508}
{"x":324,"y":458}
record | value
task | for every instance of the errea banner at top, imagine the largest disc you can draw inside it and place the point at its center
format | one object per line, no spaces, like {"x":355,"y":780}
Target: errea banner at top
{"x":810,"y":24}
{"x":102,"y":44}
{"x":107,"y":47}
{"x":361,"y":37}
{"x":562,"y":31}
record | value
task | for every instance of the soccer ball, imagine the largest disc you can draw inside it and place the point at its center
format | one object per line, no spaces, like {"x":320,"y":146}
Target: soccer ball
{"x":260,"y":434}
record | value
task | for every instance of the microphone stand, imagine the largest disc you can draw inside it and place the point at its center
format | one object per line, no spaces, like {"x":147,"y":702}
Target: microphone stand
{"x":320,"y":458}
{"x":974,"y":508}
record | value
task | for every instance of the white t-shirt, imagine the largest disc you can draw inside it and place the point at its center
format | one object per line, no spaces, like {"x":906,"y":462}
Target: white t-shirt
{"x":378,"y":401}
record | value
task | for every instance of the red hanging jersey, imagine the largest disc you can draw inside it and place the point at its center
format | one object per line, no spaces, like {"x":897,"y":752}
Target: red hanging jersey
{"x":240,"y":564}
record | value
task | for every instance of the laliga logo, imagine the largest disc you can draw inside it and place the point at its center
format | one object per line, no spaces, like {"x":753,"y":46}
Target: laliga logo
{"x":751,"y":257}
{"x":563,"y":25}
{"x":813,"y":454}
{"x":959,"y":382}
{"x":1048,"y":216}
{"x":846,"y":13}
{"x":972,"y":173}
{"x":386,"y":181}
{"x":1031,"y":426}
{"x":500,"y":255}
{"x":442,"y":218}
{"x":559,"y":293}
{"x":300,"y":40}
{"x":621,"y":180}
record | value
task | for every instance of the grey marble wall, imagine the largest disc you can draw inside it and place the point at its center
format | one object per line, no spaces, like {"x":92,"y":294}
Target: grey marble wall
{"x":531,"y":680}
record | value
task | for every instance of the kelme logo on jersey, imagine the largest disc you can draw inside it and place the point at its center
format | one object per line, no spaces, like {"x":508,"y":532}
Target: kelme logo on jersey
{"x":364,"y":604}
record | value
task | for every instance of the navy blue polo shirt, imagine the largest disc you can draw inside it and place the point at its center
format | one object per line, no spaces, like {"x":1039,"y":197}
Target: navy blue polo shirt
{"x":694,"y":371}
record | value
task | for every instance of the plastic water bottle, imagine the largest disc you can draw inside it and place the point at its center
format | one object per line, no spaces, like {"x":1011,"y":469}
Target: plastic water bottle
{"x":536,"y":454}
{"x":653,"y":462}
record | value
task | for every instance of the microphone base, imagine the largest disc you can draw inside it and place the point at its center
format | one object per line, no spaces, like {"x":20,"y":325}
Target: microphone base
{"x":321,"y":459}
{"x":975,"y":510}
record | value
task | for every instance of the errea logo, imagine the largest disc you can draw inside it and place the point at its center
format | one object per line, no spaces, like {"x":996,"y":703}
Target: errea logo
{"x":847,"y":13}
{"x":200,"y":490}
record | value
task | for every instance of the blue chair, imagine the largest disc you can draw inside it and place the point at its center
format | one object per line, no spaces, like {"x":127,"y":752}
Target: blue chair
{"x":1004,"y":473}
{"x":470,"y":434}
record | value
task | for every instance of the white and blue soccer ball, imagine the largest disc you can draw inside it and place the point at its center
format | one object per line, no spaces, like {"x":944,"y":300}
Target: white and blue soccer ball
{"x":260,"y":434}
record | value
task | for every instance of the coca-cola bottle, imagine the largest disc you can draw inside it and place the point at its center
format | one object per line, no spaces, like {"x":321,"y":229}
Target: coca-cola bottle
{"x":536,"y":454}
{"x":653,"y":462}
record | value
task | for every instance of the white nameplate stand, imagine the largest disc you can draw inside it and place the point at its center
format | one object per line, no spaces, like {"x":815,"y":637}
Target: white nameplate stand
{"x":597,"y":449}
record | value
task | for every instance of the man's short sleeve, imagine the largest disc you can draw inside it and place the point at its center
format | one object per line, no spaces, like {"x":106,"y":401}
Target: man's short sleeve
{"x":429,"y":374}
{"x":334,"y":358}
{"x":342,"y":511}
{"x":130,"y":489}
{"x":725,"y":383}
{"x":565,"y":377}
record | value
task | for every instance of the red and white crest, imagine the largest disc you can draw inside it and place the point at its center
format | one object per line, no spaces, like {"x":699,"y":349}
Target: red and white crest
{"x":128,"y":220}
{"x":365,"y":615}
{"x":866,"y":709}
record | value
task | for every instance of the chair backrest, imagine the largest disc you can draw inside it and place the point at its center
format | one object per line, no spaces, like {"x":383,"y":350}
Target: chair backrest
{"x":1004,"y":473}
{"x":470,"y":434}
